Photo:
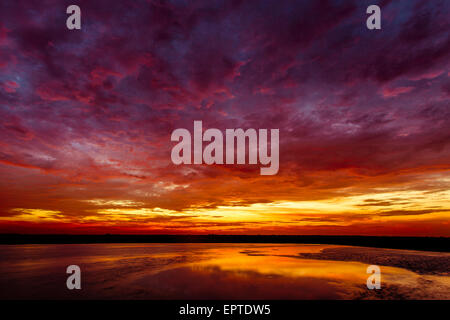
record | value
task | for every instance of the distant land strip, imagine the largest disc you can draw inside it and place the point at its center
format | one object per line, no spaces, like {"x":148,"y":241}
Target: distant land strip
{"x":441,"y":244}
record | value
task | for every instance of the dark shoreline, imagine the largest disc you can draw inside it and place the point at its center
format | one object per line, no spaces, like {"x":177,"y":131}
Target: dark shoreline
{"x":440,"y":244}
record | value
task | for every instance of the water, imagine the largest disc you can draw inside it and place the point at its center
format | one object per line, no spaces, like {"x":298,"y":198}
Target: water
{"x":220,"y":271}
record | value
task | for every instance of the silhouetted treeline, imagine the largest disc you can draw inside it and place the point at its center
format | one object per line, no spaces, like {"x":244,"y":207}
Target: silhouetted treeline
{"x":414,"y":243}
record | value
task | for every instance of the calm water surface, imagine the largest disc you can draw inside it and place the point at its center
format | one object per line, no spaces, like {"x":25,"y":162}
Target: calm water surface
{"x":218,"y":271}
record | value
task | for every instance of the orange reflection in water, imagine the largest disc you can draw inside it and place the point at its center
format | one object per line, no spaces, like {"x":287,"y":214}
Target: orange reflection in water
{"x":218,"y":271}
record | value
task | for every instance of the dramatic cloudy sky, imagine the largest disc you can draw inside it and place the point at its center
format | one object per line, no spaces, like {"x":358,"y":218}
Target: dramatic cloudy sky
{"x":86,"y":116}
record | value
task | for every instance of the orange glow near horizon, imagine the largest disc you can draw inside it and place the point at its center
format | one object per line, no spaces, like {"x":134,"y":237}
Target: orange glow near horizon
{"x":86,"y":118}
{"x":380,"y":212}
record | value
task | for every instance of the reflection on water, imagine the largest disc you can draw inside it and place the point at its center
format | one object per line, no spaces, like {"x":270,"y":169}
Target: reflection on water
{"x":219,"y":271}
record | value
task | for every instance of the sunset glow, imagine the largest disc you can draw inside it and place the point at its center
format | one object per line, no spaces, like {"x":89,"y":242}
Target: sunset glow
{"x":86,"y":117}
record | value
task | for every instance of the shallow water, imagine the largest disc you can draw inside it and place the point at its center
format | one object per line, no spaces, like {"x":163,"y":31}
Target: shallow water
{"x":218,"y":271}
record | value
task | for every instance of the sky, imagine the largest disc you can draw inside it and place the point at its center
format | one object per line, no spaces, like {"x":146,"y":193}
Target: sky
{"x":363,"y":115}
